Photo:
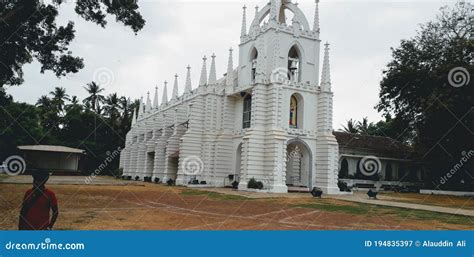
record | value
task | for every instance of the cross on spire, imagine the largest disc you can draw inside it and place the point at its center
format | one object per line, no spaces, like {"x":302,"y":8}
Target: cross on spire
{"x":203,"y":80}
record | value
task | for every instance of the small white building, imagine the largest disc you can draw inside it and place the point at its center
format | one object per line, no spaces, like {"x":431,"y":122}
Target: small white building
{"x":269,"y":118}
{"x":55,"y":159}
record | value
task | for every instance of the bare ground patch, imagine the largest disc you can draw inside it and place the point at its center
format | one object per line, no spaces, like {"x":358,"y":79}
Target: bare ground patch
{"x":151,"y":207}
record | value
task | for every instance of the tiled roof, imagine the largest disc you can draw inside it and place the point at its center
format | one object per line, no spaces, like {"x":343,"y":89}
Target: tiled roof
{"x":384,"y":146}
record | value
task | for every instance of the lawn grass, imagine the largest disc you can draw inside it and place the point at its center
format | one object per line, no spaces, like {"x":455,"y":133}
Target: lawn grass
{"x":3,"y":176}
{"x":364,"y":209}
{"x":213,"y":195}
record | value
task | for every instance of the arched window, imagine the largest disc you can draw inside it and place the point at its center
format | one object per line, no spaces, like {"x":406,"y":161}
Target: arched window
{"x":294,"y":64}
{"x":247,"y":114}
{"x":293,"y":112}
{"x":253,"y":60}
{"x":296,"y":111}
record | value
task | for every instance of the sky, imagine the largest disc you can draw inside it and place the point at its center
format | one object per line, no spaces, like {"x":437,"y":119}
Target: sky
{"x":180,"y":33}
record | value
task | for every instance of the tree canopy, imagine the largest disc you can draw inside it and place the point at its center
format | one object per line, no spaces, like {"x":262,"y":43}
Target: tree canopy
{"x":418,"y":91}
{"x":28,"y":32}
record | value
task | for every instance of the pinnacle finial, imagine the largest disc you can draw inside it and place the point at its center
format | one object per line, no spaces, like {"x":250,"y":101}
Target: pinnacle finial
{"x":155,"y":99}
{"x":134,"y":118}
{"x":164,"y":99}
{"x":141,"y":108}
{"x":316,"y":27}
{"x":175,"y":95}
{"x":230,"y":69}
{"x":203,"y":80}
{"x":244,"y":22}
{"x":326,"y":72}
{"x":148,"y":102}
{"x":212,"y":73}
{"x":187,"y":86}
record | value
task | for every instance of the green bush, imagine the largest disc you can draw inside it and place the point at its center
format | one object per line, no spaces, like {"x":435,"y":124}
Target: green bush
{"x":254,"y":184}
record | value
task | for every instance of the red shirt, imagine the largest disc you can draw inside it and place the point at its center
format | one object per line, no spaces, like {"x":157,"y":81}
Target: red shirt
{"x":37,"y":217}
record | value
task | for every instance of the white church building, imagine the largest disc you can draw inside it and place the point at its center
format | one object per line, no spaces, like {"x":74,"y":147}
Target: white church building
{"x":269,"y":118}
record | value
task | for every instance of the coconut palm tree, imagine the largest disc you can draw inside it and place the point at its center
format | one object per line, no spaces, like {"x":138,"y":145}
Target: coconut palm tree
{"x":74,"y":103}
{"x":95,"y":98}
{"x":351,"y":127}
{"x":112,"y":107}
{"x":59,"y":98}
{"x":44,"y":102}
{"x":364,"y":127}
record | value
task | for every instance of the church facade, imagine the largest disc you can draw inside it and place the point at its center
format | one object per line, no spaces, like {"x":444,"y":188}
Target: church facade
{"x":268,"y":119}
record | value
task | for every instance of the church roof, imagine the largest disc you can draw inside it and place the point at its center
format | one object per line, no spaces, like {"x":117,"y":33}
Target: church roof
{"x":383,"y":146}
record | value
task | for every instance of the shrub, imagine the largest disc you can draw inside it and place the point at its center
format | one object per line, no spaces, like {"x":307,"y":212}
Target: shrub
{"x":343,"y":186}
{"x":137,"y":178}
{"x":170,"y":182}
{"x":254,"y":184}
{"x":157,"y":180}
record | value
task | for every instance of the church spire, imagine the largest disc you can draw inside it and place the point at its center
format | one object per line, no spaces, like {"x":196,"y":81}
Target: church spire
{"x":203,"y":80}
{"x":244,"y":22}
{"x":187,"y":86}
{"x":155,"y":99}
{"x":212,"y":74}
{"x":326,"y":73}
{"x":175,"y":88}
{"x":148,"y":102}
{"x":164,"y":99}
{"x":316,"y":18}
{"x":230,"y":70}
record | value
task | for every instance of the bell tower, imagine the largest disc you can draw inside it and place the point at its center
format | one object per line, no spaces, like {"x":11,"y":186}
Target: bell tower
{"x":279,"y":37}
{"x":279,"y":66}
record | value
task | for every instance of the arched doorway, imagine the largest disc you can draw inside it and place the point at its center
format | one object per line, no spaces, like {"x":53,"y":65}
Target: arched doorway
{"x":298,"y":164}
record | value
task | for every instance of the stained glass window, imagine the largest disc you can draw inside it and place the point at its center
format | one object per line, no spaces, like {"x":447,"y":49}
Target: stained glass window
{"x":293,"y":112}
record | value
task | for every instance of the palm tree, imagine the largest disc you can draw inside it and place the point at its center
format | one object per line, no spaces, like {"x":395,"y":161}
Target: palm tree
{"x":126,"y":107}
{"x":44,"y":102}
{"x":74,"y":103}
{"x":363,"y":126}
{"x":351,"y":127}
{"x":95,"y":98}
{"x":59,"y":98}
{"x":112,"y":107}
